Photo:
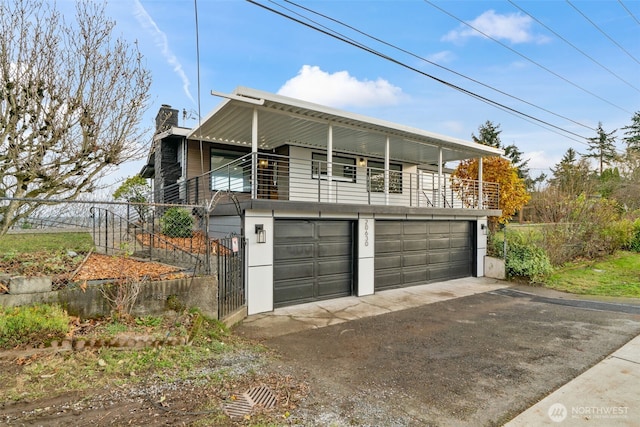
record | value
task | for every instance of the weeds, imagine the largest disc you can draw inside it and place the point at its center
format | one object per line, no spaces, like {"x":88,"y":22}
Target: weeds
{"x":41,"y":323}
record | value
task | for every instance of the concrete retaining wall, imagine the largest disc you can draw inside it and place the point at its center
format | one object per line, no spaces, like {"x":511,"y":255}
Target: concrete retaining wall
{"x":494,"y":268}
{"x":154,"y":298}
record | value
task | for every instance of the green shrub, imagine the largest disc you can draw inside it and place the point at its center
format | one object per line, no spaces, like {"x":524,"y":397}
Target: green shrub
{"x":634,"y":241}
{"x":177,"y":222}
{"x":34,"y":324}
{"x":526,"y":259}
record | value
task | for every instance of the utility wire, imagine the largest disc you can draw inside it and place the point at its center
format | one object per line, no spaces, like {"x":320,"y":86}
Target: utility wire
{"x":432,"y":63}
{"x":629,"y":12}
{"x":488,"y":101}
{"x":527,"y":58}
{"x":574,"y":46}
{"x":602,"y":31}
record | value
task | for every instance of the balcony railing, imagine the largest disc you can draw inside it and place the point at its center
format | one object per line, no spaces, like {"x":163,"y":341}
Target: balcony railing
{"x":277,"y":177}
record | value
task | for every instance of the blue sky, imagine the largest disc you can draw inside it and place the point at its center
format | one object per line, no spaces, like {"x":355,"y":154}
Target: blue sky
{"x":242,"y":44}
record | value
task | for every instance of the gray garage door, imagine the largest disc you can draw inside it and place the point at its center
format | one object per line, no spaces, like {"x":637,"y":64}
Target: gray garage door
{"x":312,"y":260}
{"x":416,"y":252}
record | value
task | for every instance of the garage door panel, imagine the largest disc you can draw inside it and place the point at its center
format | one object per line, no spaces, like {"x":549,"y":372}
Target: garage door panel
{"x":293,"y":251}
{"x":326,"y":268}
{"x":339,"y":229}
{"x":388,"y":262}
{"x":439,"y":227}
{"x":389,"y":279}
{"x":439,"y":243}
{"x":415,"y":276}
{"x":334,"y":249}
{"x":414,"y":228}
{"x":295,"y":294}
{"x":384,"y":228}
{"x":459,"y":242}
{"x":335,"y":286}
{"x":296,"y":270}
{"x":414,"y":245}
{"x":294,"y":229}
{"x":414,"y":259}
{"x":439,"y":258}
{"x":459,"y":255}
{"x":385,"y":246}
{"x":463,"y":227}
{"x":423,"y":252}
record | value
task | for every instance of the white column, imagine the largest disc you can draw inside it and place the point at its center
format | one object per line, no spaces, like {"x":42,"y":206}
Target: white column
{"x":439,"y":194}
{"x":329,"y":162}
{"x":386,"y":172}
{"x":254,"y":155}
{"x":480,"y":196}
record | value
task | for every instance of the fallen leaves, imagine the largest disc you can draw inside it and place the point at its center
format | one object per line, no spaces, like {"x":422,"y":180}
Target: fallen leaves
{"x":102,"y":267}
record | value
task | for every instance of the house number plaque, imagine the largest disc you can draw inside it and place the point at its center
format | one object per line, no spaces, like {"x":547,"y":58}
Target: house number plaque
{"x":366,"y":232}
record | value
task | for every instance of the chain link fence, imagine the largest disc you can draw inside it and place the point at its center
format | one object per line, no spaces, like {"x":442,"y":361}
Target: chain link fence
{"x":174,"y":237}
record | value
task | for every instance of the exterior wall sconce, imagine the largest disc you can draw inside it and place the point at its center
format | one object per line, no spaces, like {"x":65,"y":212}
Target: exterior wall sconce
{"x":262,"y":233}
{"x":362,"y":162}
{"x":263,"y":162}
{"x":483,"y":227}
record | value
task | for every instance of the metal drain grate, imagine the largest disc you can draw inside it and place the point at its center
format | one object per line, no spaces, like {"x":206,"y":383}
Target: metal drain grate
{"x":246,"y":401}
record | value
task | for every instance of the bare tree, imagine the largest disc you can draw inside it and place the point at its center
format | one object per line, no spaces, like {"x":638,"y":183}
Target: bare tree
{"x":71,"y":101}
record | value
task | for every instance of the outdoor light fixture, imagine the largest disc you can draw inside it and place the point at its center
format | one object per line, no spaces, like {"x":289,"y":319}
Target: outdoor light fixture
{"x":483,"y":227}
{"x":362,"y":162}
{"x":262,"y":234}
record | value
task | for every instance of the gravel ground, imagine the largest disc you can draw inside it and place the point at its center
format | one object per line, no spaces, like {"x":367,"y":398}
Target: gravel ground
{"x":478,"y":360}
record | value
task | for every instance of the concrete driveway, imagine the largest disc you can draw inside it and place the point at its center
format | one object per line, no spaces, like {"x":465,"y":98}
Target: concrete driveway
{"x":467,"y":352}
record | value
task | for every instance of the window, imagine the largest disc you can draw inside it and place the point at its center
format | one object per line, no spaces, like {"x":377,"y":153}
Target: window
{"x":375,"y":173}
{"x":343,"y":169}
{"x":229,"y":173}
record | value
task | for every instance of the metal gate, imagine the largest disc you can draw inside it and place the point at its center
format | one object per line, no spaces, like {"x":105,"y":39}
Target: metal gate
{"x":230,"y":252}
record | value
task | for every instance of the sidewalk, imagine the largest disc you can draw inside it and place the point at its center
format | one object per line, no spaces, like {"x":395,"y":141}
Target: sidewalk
{"x":606,"y":395}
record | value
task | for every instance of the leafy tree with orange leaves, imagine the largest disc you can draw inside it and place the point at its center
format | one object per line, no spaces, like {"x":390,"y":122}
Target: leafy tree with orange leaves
{"x":513,"y":192}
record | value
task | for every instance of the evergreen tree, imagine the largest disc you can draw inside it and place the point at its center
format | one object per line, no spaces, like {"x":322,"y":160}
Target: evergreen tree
{"x":632,"y":134}
{"x":571,"y":175}
{"x":602,"y":148}
{"x":488,"y":134}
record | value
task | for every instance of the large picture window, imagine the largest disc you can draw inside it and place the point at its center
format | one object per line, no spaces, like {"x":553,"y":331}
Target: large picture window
{"x":230,"y":173}
{"x":343,"y":169}
{"x":376,"y":177}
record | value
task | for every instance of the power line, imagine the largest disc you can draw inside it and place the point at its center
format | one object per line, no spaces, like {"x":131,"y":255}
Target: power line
{"x":428,"y":61}
{"x":602,"y":31}
{"x":629,"y":12}
{"x":574,"y":46}
{"x":527,"y":58}
{"x":361,"y":46}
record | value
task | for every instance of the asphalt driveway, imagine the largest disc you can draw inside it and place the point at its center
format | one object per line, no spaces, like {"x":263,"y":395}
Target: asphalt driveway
{"x":469,"y":361}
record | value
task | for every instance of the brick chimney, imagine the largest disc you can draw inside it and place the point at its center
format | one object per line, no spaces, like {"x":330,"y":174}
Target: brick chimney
{"x":167,"y":117}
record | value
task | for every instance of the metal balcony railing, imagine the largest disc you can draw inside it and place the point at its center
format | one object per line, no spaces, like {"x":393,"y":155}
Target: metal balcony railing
{"x":275,"y":177}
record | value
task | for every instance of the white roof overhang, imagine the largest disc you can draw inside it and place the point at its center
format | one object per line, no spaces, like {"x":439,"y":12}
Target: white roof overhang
{"x":288,"y":121}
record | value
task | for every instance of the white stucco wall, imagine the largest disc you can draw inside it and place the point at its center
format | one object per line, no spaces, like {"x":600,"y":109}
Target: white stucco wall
{"x":259,"y":263}
{"x":366,"y":254}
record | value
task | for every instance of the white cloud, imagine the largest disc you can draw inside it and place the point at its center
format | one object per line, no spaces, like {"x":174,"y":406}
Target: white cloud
{"x":513,"y":27}
{"x":540,"y":161}
{"x":162,"y":42}
{"x":441,"y":57}
{"x":339,"y":89}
